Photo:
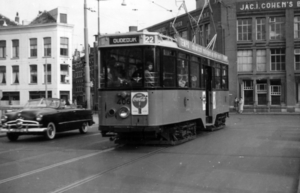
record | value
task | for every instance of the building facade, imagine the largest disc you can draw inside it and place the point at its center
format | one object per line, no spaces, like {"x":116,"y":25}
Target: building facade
{"x":35,"y":58}
{"x":262,"y":42}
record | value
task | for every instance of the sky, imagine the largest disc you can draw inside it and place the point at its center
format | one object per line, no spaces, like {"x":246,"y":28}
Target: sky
{"x":113,"y":16}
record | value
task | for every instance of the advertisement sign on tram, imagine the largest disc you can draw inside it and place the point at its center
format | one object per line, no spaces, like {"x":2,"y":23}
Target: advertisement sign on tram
{"x":139,"y":103}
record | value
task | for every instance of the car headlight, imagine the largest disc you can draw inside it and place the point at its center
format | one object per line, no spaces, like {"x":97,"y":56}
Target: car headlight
{"x":3,"y":118}
{"x":124,"y":112}
{"x":39,"y":117}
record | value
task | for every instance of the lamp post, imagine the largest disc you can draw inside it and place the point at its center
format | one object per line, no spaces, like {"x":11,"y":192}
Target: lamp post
{"x":87,"y":63}
{"x":46,"y":79}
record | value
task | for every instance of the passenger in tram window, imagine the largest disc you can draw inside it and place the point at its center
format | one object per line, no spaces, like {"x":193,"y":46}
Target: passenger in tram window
{"x":138,"y":74}
{"x":182,"y":74}
{"x":149,"y":75}
{"x":109,"y":77}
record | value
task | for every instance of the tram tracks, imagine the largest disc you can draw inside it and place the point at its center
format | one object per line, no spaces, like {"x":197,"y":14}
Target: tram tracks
{"x":98,"y":175}
{"x":70,"y":161}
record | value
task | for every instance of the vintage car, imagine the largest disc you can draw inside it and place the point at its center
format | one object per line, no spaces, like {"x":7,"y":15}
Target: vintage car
{"x":45,"y":117}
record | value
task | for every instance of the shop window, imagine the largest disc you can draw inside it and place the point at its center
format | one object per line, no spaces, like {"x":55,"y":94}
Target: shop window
{"x":244,"y":60}
{"x":10,"y":98}
{"x":39,"y":94}
{"x":277,"y":28}
{"x":277,"y":59}
{"x":261,"y":28}
{"x":261,"y":60}
{"x":244,"y":29}
{"x":33,"y":47}
{"x":2,"y":49}
{"x":248,"y":92}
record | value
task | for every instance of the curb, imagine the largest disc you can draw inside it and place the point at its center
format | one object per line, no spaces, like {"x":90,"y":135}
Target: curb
{"x":265,"y":113}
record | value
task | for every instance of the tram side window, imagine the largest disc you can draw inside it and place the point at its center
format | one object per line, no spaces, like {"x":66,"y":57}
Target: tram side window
{"x":151,"y":72}
{"x":217,"y":76}
{"x":224,"y":77}
{"x":204,"y":62}
{"x":169,"y":62}
{"x":195,"y":72}
{"x":182,"y":70}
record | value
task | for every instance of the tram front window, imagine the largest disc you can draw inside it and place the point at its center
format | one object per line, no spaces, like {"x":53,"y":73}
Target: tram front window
{"x":125,"y":68}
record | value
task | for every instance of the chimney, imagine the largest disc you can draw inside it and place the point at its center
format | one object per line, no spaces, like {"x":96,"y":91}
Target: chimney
{"x":133,"y":28}
{"x":17,"y":19}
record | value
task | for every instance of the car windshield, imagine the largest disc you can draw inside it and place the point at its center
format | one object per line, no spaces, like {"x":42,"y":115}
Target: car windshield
{"x":39,"y":103}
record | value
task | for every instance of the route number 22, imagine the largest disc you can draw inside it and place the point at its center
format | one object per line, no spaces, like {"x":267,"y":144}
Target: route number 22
{"x":149,"y":39}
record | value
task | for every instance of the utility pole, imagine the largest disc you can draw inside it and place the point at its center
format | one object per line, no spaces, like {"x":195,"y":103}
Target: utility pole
{"x":46,"y":79}
{"x":87,"y":63}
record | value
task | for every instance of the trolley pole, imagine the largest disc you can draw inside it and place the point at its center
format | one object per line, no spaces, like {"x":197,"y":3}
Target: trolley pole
{"x":87,"y":63}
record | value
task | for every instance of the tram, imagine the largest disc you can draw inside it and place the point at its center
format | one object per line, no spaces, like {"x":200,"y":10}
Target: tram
{"x":160,"y":90}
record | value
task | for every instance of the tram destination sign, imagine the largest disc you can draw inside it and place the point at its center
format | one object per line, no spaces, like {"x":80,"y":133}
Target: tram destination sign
{"x":196,"y":48}
{"x":124,"y":40}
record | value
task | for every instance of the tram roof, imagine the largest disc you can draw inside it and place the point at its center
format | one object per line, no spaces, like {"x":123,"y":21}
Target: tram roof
{"x":157,"y":39}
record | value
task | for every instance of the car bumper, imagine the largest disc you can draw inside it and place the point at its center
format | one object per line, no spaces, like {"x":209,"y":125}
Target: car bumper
{"x":22,"y":126}
{"x":23,"y":130}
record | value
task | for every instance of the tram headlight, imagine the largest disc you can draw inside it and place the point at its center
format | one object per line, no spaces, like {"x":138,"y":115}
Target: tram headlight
{"x":124,"y":112}
{"x":111,"y":112}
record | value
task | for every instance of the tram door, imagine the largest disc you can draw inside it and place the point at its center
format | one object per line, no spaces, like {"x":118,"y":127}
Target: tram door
{"x":208,"y":89}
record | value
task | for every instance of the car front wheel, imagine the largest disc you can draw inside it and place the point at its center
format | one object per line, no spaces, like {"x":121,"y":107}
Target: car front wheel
{"x":51,"y":131}
{"x":84,"y":128}
{"x":12,"y":136}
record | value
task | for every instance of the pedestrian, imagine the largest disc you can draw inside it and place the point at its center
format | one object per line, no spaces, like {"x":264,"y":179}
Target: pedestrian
{"x":236,"y":104}
{"x":241,"y":105}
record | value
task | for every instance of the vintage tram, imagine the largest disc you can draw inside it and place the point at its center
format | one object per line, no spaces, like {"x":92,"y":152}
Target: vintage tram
{"x":159,"y":90}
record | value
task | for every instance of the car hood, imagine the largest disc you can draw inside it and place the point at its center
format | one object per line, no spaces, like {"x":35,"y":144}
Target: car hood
{"x":29,"y":114}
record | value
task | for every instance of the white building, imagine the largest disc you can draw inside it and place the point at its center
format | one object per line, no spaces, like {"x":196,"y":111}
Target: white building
{"x":24,"y":51}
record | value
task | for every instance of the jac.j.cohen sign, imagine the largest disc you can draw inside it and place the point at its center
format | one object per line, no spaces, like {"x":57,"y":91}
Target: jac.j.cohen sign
{"x":266,"y":5}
